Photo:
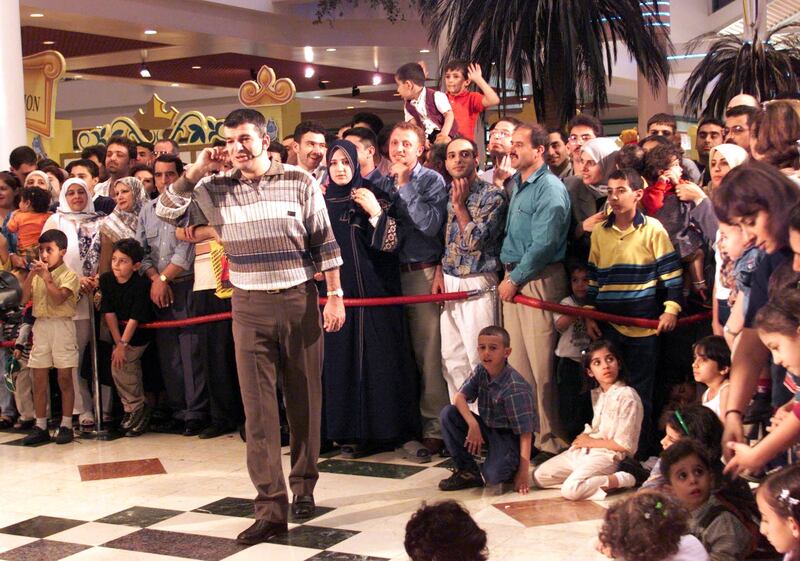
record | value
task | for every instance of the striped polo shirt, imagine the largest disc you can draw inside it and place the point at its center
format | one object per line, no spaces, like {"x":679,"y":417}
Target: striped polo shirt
{"x":275,"y":229}
{"x":627,"y":269}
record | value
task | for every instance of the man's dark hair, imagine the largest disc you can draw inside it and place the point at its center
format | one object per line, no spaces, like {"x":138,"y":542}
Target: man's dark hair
{"x":126,"y":142}
{"x":630,"y":175}
{"x":174,"y":148}
{"x":306,"y":127}
{"x":279,"y":149}
{"x":56,"y":236}
{"x":663,"y":119}
{"x":560,"y":133}
{"x":141,"y":167}
{"x":365,"y":135}
{"x":287,"y":137}
{"x":131,"y":248}
{"x":513,"y":120}
{"x":473,"y":146}
{"x":586,"y":120}
{"x":740,"y":110}
{"x":56,"y":171}
{"x":46,"y":163}
{"x":412,"y":72}
{"x":90,"y":166}
{"x":170,"y":159}
{"x":21,"y":155}
{"x":239,"y":117}
{"x":147,"y":145}
{"x":538,"y":134}
{"x":38,"y":198}
{"x":710,"y":121}
{"x":460,"y":65}
{"x":445,"y":532}
{"x":98,"y":151}
{"x":374,"y":122}
{"x":631,"y":156}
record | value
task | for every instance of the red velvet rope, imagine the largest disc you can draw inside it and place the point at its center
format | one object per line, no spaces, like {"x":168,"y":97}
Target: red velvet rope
{"x":446,"y":297}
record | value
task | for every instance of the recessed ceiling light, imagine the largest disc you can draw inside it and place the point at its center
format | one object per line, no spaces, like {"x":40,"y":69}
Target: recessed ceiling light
{"x":317,"y":96}
{"x":78,"y":76}
{"x":48,"y":42}
{"x":524,"y":99}
{"x":350,"y":107}
{"x":174,"y":84}
{"x":308,"y":54}
{"x":325,"y":81}
{"x":150,"y":32}
{"x":331,"y":50}
{"x":376,"y":79}
{"x":396,"y":94}
{"x":424,"y":51}
{"x":309,"y":72}
{"x":363,"y":101}
{"x":196,"y":67}
{"x":37,"y":15}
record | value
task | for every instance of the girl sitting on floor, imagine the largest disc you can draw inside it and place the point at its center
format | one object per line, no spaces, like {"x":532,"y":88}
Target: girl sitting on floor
{"x":588,"y":468}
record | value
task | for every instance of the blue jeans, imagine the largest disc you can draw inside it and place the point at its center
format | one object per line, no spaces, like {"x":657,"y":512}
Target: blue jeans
{"x":640,"y":357}
{"x":502,"y":459}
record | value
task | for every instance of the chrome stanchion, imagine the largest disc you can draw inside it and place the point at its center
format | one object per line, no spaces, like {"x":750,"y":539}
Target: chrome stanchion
{"x":496,"y":306}
{"x":99,"y":432}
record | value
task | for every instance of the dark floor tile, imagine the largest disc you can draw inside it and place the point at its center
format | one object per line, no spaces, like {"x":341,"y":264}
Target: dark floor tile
{"x":369,"y":469}
{"x":448,"y":464}
{"x":235,"y":506}
{"x":315,"y":537}
{"x":203,"y":548}
{"x":43,"y":550}
{"x":141,"y":516}
{"x":230,"y":506}
{"x":41,"y":526}
{"x":18,"y":441}
{"x":336,"y":556}
{"x":127,"y":468}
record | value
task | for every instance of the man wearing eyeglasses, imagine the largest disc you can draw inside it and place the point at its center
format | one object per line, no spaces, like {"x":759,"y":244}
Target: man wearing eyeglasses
{"x":476,"y":215}
{"x":499,"y":145}
{"x":710,"y":133}
{"x":663,"y":124}
{"x":582,"y":128}
{"x":737,"y":122}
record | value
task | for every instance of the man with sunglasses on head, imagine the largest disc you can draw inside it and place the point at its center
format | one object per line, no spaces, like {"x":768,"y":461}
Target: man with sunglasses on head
{"x":662,"y":124}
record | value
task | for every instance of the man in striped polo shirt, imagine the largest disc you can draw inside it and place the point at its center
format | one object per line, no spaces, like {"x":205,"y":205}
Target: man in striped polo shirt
{"x":273,"y":223}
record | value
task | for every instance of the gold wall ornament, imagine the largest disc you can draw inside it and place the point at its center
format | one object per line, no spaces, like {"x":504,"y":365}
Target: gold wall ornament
{"x":41,"y":73}
{"x":266,"y":89}
{"x":155,"y":114}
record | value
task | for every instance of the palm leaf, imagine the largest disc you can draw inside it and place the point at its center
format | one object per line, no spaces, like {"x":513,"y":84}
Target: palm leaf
{"x":763,"y":68}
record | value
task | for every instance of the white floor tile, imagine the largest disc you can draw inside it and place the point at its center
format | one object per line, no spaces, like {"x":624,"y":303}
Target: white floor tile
{"x":270,"y":551}
{"x":93,"y":533}
{"x":108,"y":554}
{"x":9,"y":542}
{"x":205,"y":525}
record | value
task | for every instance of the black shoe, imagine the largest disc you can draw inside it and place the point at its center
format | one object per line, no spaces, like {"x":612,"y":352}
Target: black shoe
{"x":243,"y":433}
{"x":215,"y":429}
{"x":461,"y":479}
{"x":64,"y":435}
{"x":303,"y":506}
{"x":629,"y":465}
{"x":261,"y":531}
{"x":170,"y":426}
{"x":143,"y":422}
{"x":125,"y":423}
{"x":133,"y":418}
{"x":36,"y":436}
{"x":193,"y":427}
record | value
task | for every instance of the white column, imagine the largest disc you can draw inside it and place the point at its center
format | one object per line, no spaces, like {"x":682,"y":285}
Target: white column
{"x":12,"y":88}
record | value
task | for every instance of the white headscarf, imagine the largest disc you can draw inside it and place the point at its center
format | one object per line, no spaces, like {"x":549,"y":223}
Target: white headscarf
{"x":82,"y":228}
{"x":86,"y":213}
{"x":735,"y":155}
{"x":600,"y":150}
{"x":46,"y":177}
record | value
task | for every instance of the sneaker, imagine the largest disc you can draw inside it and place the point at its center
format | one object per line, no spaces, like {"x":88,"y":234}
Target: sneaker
{"x":125,"y":423}
{"x":36,"y":436}
{"x":461,"y":479}
{"x":64,"y":435}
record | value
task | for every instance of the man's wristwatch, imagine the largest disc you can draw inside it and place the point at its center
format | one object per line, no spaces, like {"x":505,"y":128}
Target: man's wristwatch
{"x":338,"y":292}
{"x":163,"y":278}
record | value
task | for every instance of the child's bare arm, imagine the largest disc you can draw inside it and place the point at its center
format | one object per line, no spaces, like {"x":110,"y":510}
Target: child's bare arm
{"x":449,"y":118}
{"x":490,"y":97}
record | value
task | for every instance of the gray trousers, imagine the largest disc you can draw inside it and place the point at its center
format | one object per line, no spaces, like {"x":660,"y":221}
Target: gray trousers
{"x":183,"y":362}
{"x":279,"y":337}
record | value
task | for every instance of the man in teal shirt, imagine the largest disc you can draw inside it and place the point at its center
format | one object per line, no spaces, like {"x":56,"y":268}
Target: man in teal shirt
{"x":534,"y":247}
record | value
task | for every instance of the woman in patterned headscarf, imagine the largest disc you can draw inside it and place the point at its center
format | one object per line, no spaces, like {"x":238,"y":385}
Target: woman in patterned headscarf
{"x":121,"y":223}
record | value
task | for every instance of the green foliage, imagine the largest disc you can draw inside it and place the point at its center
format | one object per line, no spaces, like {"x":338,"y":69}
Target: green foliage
{"x":331,"y":9}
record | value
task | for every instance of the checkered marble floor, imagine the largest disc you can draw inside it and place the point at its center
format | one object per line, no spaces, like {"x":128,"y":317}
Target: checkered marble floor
{"x":167,"y":497}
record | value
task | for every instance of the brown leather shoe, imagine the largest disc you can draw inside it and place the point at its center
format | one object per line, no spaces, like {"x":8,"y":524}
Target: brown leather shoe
{"x":434,"y":445}
{"x":261,"y":531}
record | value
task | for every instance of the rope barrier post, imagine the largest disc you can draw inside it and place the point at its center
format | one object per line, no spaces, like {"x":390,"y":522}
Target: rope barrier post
{"x":496,"y":307}
{"x":99,"y":433}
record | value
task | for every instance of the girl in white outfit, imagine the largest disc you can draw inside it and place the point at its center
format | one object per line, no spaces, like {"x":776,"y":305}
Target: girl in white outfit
{"x":588,"y":468}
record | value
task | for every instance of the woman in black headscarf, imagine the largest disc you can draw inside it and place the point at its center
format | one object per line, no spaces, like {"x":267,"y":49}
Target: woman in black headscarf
{"x":369,"y":375}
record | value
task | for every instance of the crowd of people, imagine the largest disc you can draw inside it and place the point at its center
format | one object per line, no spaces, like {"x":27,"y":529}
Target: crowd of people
{"x":515,"y":394}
